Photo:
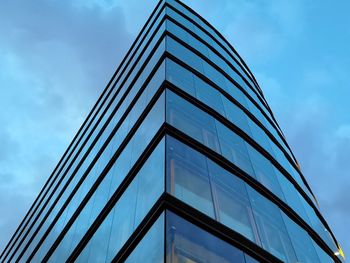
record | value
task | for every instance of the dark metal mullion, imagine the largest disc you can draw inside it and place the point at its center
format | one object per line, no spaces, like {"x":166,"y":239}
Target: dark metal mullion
{"x":55,"y":188}
{"x":170,"y":203}
{"x":253,"y":87}
{"x":61,"y":168}
{"x":218,"y":54}
{"x":245,"y":67}
{"x":205,"y":59}
{"x":223,"y":162}
{"x":231,"y":126}
{"x":181,"y":42}
{"x":117,"y":194}
{"x":224,"y":48}
{"x":102,"y":129}
{"x":170,"y":56}
{"x":102,"y":148}
{"x":289,"y":177}
{"x":238,"y":131}
{"x":228,"y":96}
{"x":230,"y":46}
{"x":144,"y":48}
{"x":140,"y":232}
{"x":100,"y":120}
{"x":217,"y":229}
{"x":86,"y":120}
{"x":137,"y":124}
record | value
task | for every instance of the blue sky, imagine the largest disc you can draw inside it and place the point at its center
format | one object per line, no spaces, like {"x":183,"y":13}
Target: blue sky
{"x":57,"y":56}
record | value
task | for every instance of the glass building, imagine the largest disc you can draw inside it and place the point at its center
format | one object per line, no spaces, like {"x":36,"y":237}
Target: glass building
{"x":180,"y":160}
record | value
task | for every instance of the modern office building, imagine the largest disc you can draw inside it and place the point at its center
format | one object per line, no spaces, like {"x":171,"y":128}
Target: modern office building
{"x":180,"y":160}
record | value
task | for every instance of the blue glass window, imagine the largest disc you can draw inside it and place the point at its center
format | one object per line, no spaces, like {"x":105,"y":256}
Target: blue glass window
{"x":232,"y":202}
{"x":188,"y":176}
{"x":186,"y":242}
{"x":272,"y":231}
{"x":234,"y":148}
{"x":264,"y":172}
{"x":151,"y":247}
{"x":191,"y":120}
{"x":302,"y":243}
{"x":129,"y":210}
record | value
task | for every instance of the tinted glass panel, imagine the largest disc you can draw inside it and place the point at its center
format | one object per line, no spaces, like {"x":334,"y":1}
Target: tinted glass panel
{"x":186,"y":242}
{"x":191,"y":120}
{"x":232,"y":201}
{"x":302,"y":243}
{"x":151,"y":247}
{"x":271,"y":228}
{"x":129,"y":210}
{"x":209,"y":95}
{"x":264,"y":172}
{"x":188,"y":174}
{"x":234,"y":148}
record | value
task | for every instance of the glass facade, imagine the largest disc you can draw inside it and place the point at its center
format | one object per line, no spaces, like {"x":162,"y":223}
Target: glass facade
{"x":180,"y":160}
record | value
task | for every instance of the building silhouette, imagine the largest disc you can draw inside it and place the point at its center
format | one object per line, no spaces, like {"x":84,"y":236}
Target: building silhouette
{"x":180,"y":160}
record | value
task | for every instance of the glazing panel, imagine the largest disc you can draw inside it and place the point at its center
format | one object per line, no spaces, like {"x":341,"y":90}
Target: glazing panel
{"x":322,"y":255}
{"x":188,"y":176}
{"x":261,"y":137}
{"x":234,"y":148}
{"x":186,"y":242}
{"x":191,"y":120}
{"x":301,"y":241}
{"x":264,"y":172}
{"x":129,"y":210}
{"x":180,"y":77}
{"x":291,"y":195}
{"x":271,"y":228}
{"x":232,"y":202}
{"x":209,"y":96}
{"x":151,"y":247}
{"x":235,"y":115}
{"x":180,"y":51}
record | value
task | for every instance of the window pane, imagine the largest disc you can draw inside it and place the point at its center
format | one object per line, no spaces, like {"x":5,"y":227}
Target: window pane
{"x":249,"y":259}
{"x":291,"y":196}
{"x":236,"y":115}
{"x":180,"y":77}
{"x":183,"y":53}
{"x":323,"y":256}
{"x":187,"y":171}
{"x":129,"y":210}
{"x":191,"y":120}
{"x":151,"y":247}
{"x":232,"y":201}
{"x":234,"y":148}
{"x":271,"y":228}
{"x":209,"y":96}
{"x":264,"y":172}
{"x":261,"y":137}
{"x":302,"y":244}
{"x":187,"y":243}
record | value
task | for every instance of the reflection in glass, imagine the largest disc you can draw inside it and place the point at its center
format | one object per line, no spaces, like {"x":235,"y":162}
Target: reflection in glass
{"x":129,"y":210}
{"x":234,"y":148}
{"x":188,"y":174}
{"x":271,"y":228}
{"x":187,"y":243}
{"x":151,"y":247}
{"x":191,"y":120}
{"x":264,"y":172}
{"x":232,"y":201}
{"x":302,"y":244}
